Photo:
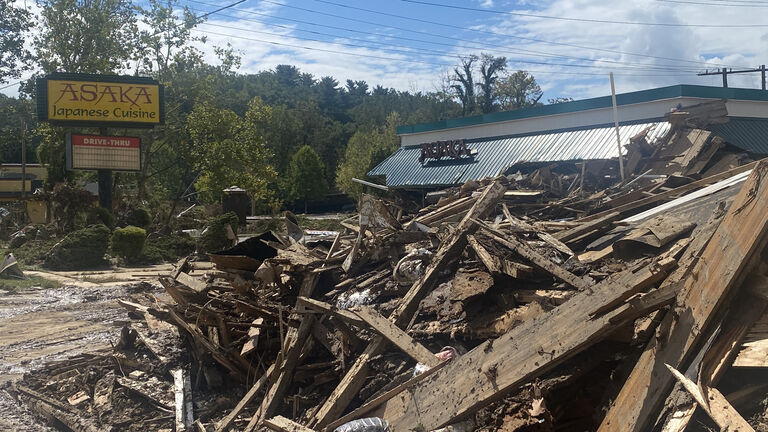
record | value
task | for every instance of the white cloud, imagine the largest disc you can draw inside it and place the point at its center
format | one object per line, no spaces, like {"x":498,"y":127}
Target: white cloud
{"x":668,"y":55}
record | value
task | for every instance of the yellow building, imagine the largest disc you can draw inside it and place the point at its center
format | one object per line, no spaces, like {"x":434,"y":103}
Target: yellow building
{"x":11,"y":184}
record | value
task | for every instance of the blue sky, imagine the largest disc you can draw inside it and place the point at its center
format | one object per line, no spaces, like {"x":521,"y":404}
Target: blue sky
{"x":411,"y":46}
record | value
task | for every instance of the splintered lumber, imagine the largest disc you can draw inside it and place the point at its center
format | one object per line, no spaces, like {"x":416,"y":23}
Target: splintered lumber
{"x":304,"y":305}
{"x":378,"y":401}
{"x":182,"y":419}
{"x":192,"y":283}
{"x":496,"y":367}
{"x":546,"y":237}
{"x":449,"y":249}
{"x":226,"y":422}
{"x":539,"y":260}
{"x":716,"y":359}
{"x":283,"y":424}
{"x":587,"y":227}
{"x":397,"y":337}
{"x":666,"y":195}
{"x":727,"y":257}
{"x":714,"y":404}
{"x":294,"y":344}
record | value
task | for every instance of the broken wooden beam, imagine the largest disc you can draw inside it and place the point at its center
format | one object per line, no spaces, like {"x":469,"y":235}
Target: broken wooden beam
{"x":449,"y":250}
{"x":397,"y":337}
{"x":714,"y":404}
{"x":225,"y":423}
{"x":539,"y":260}
{"x":498,"y":366}
{"x":282,"y":424}
{"x":729,"y":255}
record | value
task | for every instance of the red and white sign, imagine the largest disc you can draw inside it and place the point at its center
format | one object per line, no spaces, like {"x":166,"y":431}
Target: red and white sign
{"x":94,"y":152}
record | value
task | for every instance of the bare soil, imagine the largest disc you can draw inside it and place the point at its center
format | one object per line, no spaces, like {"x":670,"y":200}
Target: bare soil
{"x":39,"y":326}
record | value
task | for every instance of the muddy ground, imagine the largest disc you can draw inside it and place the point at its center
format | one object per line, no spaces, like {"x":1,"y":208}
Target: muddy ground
{"x":39,"y":326}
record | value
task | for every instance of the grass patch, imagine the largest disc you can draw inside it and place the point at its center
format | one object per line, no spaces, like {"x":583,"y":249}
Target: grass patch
{"x":15,"y":285}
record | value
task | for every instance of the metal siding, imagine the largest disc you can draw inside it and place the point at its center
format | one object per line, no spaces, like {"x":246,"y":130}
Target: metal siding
{"x":494,"y":156}
{"x":747,"y":134}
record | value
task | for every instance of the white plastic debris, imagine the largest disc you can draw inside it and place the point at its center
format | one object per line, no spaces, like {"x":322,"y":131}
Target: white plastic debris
{"x":410,"y":268}
{"x":371,"y":424}
{"x":349,"y":300}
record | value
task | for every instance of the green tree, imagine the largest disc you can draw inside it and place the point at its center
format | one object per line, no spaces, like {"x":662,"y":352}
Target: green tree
{"x":518,"y":90}
{"x":86,"y":36}
{"x":364,"y":151}
{"x":306,"y":176}
{"x":14,"y":24}
{"x":229,"y":150}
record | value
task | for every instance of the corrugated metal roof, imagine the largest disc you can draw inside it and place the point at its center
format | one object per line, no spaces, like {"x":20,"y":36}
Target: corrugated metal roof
{"x":748,"y":134}
{"x":494,"y":156}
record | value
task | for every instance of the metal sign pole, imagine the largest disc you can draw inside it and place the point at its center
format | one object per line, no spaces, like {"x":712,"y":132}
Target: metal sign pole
{"x":105,"y":183}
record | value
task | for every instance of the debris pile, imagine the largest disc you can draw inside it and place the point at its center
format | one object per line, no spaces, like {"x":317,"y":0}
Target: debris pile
{"x":619,"y":310}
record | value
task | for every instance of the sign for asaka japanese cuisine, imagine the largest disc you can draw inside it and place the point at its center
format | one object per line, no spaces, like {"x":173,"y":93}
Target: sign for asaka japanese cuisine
{"x":100,"y":100}
{"x":454,"y":149}
{"x":94,"y":152}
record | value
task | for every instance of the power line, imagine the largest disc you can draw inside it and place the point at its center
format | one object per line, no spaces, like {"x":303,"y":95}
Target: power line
{"x":589,"y":20}
{"x":704,"y":63}
{"x":762,"y":5}
{"x":443,"y":54}
{"x":413,"y":61}
{"x":503,"y":48}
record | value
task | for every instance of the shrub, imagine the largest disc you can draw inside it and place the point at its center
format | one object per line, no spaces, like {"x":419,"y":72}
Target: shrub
{"x":138,"y":217}
{"x":215,"y":237}
{"x":167,"y":249}
{"x":128,"y":242}
{"x":81,"y":249}
{"x":100,"y":215}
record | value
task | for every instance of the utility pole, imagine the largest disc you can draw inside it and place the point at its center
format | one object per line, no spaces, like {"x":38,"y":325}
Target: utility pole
{"x":725,"y":72}
{"x":616,"y":124}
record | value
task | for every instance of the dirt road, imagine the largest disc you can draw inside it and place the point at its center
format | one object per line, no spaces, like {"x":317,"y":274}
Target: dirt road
{"x":38,"y":326}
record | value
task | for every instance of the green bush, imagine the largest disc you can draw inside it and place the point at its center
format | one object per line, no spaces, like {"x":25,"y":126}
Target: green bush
{"x":138,"y":217}
{"x":167,"y":249}
{"x":81,"y":249}
{"x":100,"y":215}
{"x":215,"y":237}
{"x":128,"y":242}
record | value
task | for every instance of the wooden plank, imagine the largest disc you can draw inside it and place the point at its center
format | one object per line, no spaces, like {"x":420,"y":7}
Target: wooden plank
{"x":489,"y":261}
{"x":496,"y":367}
{"x":226,"y":422}
{"x":397,"y":337}
{"x":666,"y":195}
{"x":555,"y":297}
{"x":449,"y":250}
{"x":540,"y":260}
{"x":715,"y":359}
{"x":714,"y":404}
{"x":546,"y":237}
{"x":306,"y":305}
{"x":192,"y":283}
{"x":179,"y":267}
{"x":372,"y":405}
{"x":726,"y":259}
{"x":180,"y":418}
{"x":283,"y":424}
{"x":587,"y":227}
{"x":294,"y":343}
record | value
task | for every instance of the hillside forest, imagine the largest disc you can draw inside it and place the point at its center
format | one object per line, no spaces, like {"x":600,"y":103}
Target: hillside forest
{"x":284,"y":135}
